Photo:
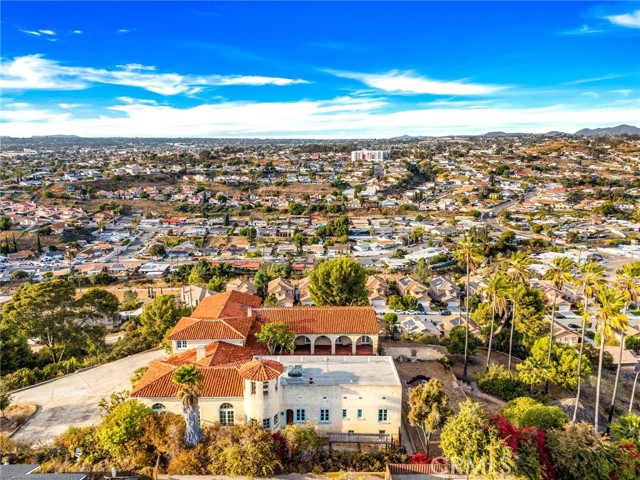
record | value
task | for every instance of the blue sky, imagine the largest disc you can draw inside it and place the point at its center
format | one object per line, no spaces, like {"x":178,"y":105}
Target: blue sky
{"x":305,"y":69}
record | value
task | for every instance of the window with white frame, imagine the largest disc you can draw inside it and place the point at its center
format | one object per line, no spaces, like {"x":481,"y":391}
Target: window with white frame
{"x":359,"y":413}
{"x":344,"y":413}
{"x":227,"y":415}
{"x":181,"y":344}
{"x":276,"y":420}
{"x":266,"y":422}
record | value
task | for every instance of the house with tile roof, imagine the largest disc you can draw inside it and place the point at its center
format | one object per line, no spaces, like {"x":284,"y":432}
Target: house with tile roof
{"x":377,"y":291}
{"x":330,"y":378}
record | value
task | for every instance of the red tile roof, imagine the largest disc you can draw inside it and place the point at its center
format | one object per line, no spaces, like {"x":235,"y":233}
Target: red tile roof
{"x":189,"y":328}
{"x":221,"y":353}
{"x":261,"y":370}
{"x":318,"y":320}
{"x":217,"y":382}
{"x":226,"y":304}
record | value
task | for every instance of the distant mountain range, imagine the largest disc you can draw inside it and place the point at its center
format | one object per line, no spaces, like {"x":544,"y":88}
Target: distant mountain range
{"x":619,"y":130}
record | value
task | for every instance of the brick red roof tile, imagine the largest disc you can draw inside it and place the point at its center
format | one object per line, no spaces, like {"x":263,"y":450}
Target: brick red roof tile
{"x":261,"y":370}
{"x":226,"y":304}
{"x":217,"y":382}
{"x":319,"y":320}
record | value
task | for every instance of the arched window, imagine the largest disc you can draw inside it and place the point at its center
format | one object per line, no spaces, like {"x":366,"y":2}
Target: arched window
{"x":227,"y":416}
{"x":158,"y":407}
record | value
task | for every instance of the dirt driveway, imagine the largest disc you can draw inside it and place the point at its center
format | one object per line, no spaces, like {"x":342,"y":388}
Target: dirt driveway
{"x":73,"y":399}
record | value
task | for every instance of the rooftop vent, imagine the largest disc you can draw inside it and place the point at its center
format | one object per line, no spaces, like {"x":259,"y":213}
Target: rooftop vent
{"x":295,"y":371}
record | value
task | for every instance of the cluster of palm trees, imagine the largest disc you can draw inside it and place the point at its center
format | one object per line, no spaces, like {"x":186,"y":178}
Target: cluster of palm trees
{"x":606,"y":302}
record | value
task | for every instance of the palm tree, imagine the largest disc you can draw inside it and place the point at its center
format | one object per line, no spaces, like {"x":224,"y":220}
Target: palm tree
{"x":591,"y":275}
{"x":468,"y":252}
{"x":608,"y":316}
{"x":518,"y":273}
{"x":628,"y":285}
{"x":496,"y":289}
{"x":189,"y":381}
{"x":559,"y":274}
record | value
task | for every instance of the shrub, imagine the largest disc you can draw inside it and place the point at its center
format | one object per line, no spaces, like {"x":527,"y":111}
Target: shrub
{"x":501,"y":383}
{"x":527,"y":412}
{"x":579,"y":452}
{"x":454,"y":341}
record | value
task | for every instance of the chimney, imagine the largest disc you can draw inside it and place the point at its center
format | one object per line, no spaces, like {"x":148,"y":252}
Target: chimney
{"x":249,"y":311}
{"x":201,"y":352}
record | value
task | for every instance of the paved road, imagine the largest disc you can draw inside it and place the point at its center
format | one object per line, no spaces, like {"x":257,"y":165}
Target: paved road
{"x":73,"y":399}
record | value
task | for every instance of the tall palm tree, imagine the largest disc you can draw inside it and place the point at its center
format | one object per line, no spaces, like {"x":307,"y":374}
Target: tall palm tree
{"x":497,"y":290}
{"x":628,"y":284}
{"x":189,"y":381}
{"x":468,"y":252}
{"x":517,"y":271}
{"x":608,"y":316}
{"x":591,"y":276}
{"x":559,"y":274}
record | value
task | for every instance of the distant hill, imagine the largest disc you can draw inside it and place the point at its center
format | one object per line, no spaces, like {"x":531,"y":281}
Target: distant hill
{"x":619,"y":130}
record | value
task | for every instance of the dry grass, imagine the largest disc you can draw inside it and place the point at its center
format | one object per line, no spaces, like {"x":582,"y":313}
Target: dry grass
{"x":15,"y":416}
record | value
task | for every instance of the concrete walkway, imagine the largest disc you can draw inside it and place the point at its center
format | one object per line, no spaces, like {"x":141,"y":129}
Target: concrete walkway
{"x":72,"y":400}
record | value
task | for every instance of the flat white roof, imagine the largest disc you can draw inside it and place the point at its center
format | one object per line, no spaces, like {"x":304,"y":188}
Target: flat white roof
{"x":338,"y":370}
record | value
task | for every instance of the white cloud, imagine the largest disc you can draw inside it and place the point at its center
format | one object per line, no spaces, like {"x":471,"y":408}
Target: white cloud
{"x":123,"y":30}
{"x":344,"y":117}
{"x":609,"y":76}
{"x":36,"y":72}
{"x":583,"y":30}
{"x":47,"y":32}
{"x":409,"y":82}
{"x":77,"y":32}
{"x":629,"y":20}
{"x":623,"y":91}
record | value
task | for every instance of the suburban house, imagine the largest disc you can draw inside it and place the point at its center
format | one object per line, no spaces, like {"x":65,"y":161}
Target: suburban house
{"x":240,"y":285}
{"x":377,"y":291}
{"x":282,"y":290}
{"x":411,"y":286}
{"x":444,"y":291}
{"x":333,"y":378}
{"x":192,"y":295}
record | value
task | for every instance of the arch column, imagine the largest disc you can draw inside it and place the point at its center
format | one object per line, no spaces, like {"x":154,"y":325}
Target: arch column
{"x":354,"y":344}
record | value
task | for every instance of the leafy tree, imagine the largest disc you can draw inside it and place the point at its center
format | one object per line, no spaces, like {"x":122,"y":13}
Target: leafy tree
{"x":261,"y":281}
{"x":189,"y":381}
{"x":302,"y":438}
{"x":49,"y":312}
{"x":295,"y":208}
{"x":339,"y":282}
{"x":217,"y":284}
{"x":5,"y":223}
{"x":561,"y":369}
{"x":482,"y":452}
{"x":501,"y":383}
{"x":157,"y":250}
{"x":14,"y":349}
{"x":276,"y":334}
{"x":97,"y":304}
{"x":579,"y":452}
{"x":271,"y":301}
{"x":129,"y":300}
{"x":120,"y":426}
{"x":116,"y":398}
{"x":390,"y":320}
{"x":5,"y":399}
{"x":429,"y":409}
{"x":627,"y":428}
{"x":243,"y":450}
{"x":159,"y":316}
{"x":527,"y":412}
{"x":456,"y":340}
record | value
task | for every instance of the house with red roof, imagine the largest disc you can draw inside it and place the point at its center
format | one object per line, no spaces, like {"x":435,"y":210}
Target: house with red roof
{"x":333,"y":378}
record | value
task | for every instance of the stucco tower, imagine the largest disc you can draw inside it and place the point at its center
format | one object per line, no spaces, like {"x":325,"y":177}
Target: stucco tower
{"x":263,"y":394}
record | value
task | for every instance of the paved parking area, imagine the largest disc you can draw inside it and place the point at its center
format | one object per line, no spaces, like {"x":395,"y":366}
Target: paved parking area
{"x":73,"y":400}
